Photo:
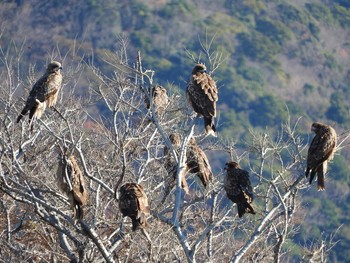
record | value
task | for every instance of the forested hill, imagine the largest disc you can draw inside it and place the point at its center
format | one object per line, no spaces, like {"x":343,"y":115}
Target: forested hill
{"x":277,"y":53}
{"x":279,"y":58}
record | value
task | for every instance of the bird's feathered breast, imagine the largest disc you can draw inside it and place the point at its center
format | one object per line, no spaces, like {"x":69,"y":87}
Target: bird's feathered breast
{"x":160,"y":97}
{"x":128,"y":203}
{"x":322,"y":146}
{"x":198,"y":163}
{"x":203,"y":94}
{"x":197,"y":157}
{"x":46,"y":88}
{"x":78,"y":182}
{"x":204,"y":82}
{"x":133,"y":200}
{"x":53,"y":85}
{"x":237,"y":182}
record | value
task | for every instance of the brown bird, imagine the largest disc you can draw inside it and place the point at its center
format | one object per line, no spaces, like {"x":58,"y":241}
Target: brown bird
{"x":75,"y":188}
{"x":160,"y":99}
{"x":43,"y":93}
{"x":171,"y":165}
{"x":320,"y":152}
{"x":202,"y":94}
{"x":133,"y":203}
{"x":198,"y":163}
{"x":238,"y":188}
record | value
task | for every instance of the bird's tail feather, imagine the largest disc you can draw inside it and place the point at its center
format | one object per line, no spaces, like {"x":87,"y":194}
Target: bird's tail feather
{"x":135,"y":224}
{"x":307,"y":172}
{"x":78,"y":213}
{"x":209,"y":126}
{"x":312,"y":176}
{"x":23,"y":113}
{"x":140,"y":222}
{"x":320,"y":177}
{"x":320,"y":182}
{"x":184,"y":185}
{"x":243,"y":208}
{"x":204,"y":177}
{"x":19,"y":118}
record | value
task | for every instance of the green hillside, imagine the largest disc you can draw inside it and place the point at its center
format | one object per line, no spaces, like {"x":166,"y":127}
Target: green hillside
{"x":271,"y":60}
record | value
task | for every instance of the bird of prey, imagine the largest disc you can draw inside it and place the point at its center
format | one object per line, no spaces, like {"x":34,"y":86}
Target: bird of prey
{"x":198,"y":163}
{"x":133,"y":203}
{"x":320,"y":152}
{"x":238,"y":188}
{"x":44,"y":93}
{"x":202,"y":94}
{"x":71,"y":182}
{"x":171,"y":165}
{"x":160,"y":99}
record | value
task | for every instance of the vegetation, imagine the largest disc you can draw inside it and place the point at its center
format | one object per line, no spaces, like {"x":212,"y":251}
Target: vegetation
{"x":278,"y":60}
{"x":126,"y":144}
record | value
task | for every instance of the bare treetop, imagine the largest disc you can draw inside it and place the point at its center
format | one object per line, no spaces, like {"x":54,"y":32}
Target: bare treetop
{"x":136,"y":161}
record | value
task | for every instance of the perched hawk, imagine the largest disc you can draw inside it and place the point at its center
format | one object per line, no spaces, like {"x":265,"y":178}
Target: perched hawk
{"x":133,"y":203}
{"x":171,"y":164}
{"x":160,"y":99}
{"x":198,"y":163}
{"x":238,"y":188}
{"x":77,"y":195}
{"x":175,"y":139}
{"x":202,"y":94}
{"x":44,"y":93}
{"x":320,"y":152}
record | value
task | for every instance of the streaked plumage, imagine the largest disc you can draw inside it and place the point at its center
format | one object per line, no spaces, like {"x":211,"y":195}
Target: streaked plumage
{"x":160,"y":99}
{"x":198,"y":163}
{"x":203,"y":95}
{"x":78,"y":195}
{"x":171,"y":165}
{"x":238,"y":188}
{"x":320,"y":152}
{"x":133,"y":203}
{"x":44,"y":93}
